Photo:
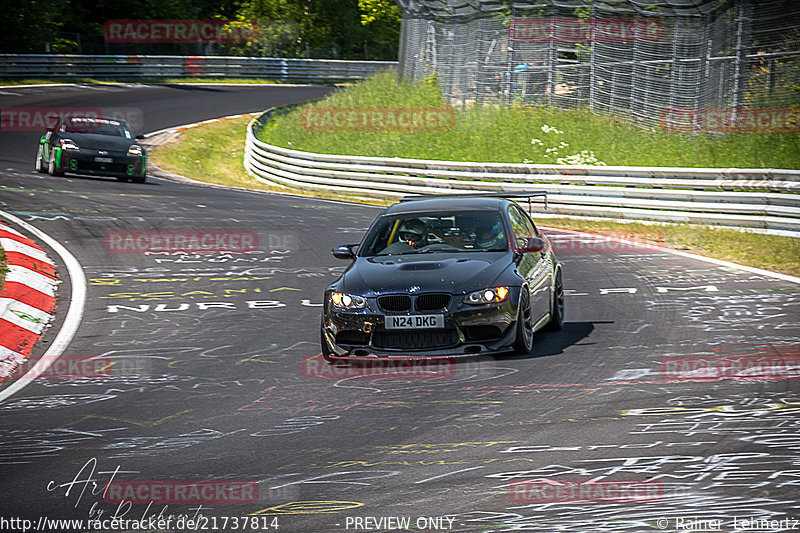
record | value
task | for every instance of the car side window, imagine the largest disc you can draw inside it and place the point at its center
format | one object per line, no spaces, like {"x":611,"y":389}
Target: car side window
{"x":522,"y":225}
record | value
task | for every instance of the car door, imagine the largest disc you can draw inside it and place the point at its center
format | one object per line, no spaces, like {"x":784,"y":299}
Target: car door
{"x":534,"y":267}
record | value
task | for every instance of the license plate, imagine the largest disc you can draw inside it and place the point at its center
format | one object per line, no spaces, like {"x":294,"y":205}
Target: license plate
{"x":104,"y":159}
{"x":414,"y":322}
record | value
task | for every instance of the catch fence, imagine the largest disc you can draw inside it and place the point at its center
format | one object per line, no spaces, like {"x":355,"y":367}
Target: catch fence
{"x":645,"y":61}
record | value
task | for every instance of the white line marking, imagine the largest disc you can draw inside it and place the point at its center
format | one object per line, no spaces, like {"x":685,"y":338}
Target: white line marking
{"x":448,"y":474}
{"x":74,"y":314}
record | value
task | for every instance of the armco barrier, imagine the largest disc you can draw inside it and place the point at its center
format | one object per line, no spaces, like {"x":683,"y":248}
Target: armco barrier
{"x":125,"y":67}
{"x":763,"y":199}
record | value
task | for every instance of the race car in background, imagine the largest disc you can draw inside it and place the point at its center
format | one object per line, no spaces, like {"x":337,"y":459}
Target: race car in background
{"x":92,"y":145}
{"x":444,"y":276}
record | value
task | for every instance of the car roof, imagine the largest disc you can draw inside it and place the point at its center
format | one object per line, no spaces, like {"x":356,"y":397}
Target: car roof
{"x":448,"y":204}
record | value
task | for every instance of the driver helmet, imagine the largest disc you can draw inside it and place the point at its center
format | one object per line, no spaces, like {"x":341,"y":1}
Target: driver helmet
{"x":412,"y":232}
{"x":487,"y":235}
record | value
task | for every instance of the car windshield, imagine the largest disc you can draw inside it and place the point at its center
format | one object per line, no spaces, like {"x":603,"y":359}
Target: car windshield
{"x":98,"y":127}
{"x":462,"y":231}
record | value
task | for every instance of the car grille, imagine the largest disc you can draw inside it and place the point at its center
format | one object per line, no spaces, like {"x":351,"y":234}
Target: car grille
{"x":432,"y":302}
{"x":117,"y":168}
{"x":415,"y":340}
{"x":395,"y":303}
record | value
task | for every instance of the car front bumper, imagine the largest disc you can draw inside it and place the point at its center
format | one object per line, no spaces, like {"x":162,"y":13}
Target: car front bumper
{"x":85,"y":162}
{"x":468,"y":330}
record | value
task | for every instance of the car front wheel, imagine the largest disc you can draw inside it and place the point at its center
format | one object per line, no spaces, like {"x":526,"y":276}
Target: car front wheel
{"x":51,"y":167}
{"x":39,"y":166}
{"x":523,"y":343}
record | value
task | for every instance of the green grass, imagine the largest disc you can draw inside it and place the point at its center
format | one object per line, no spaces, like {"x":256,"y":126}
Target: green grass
{"x":190,"y":155}
{"x":504,"y":133}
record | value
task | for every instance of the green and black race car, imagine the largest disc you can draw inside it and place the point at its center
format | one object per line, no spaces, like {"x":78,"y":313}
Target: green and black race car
{"x":92,"y":145}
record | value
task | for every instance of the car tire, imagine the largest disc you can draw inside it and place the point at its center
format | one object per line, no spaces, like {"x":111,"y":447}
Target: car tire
{"x":557,"y":314}
{"x":139,"y":179}
{"x":523,"y":341}
{"x":39,"y":165}
{"x":51,"y":166}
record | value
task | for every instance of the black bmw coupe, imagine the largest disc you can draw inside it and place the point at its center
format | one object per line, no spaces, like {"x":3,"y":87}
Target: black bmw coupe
{"x":445,"y":277}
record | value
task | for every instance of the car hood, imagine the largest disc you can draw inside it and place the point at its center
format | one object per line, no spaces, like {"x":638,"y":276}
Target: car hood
{"x":94,"y":141}
{"x":435,"y":272}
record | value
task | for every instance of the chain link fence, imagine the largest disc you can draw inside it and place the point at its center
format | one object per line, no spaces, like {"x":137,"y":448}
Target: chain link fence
{"x":651,"y":62}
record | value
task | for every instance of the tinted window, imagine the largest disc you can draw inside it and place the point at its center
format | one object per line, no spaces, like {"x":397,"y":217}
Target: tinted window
{"x":97,"y":126}
{"x":462,"y":231}
{"x":521,"y":225}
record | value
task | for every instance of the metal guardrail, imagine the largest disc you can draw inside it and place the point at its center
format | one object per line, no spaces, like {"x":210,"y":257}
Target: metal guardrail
{"x":764,"y":199}
{"x":124,"y":67}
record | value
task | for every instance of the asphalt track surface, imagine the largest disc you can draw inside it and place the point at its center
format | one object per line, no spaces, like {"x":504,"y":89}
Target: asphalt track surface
{"x":234,"y":390}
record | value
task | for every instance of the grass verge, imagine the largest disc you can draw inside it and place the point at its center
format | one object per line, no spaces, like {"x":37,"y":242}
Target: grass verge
{"x":189,"y":155}
{"x":513,"y":134}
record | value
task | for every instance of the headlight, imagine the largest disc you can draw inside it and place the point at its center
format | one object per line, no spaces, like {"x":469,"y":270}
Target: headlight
{"x":135,"y":150}
{"x":348,"y":301}
{"x":68,"y":144}
{"x":487,"y":296}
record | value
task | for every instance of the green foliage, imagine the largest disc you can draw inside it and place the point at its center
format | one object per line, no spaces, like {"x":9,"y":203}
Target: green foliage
{"x":341,"y":29}
{"x":504,"y":134}
{"x":335,"y":26}
{"x":29,"y":25}
{"x":379,"y":10}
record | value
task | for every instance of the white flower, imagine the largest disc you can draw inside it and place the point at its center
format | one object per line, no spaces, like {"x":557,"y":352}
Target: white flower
{"x":537,"y":141}
{"x":585,"y":157}
{"x":550,"y":129}
{"x":562,"y":144}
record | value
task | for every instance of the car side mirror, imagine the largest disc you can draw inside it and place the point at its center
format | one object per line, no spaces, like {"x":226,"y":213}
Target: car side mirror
{"x":344,"y":251}
{"x":531,"y":245}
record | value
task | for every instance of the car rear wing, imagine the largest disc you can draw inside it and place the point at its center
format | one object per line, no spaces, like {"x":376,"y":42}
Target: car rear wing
{"x":527,"y":195}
